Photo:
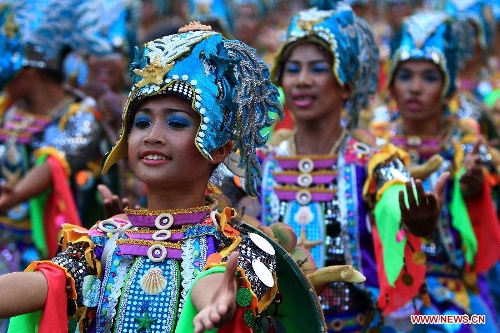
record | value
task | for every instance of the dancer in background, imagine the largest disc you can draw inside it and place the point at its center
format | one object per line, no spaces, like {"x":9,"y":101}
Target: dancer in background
{"x":331,"y":183}
{"x":424,"y":66}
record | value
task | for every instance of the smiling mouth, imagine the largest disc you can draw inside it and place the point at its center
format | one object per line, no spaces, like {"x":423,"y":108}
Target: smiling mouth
{"x":154,"y":157}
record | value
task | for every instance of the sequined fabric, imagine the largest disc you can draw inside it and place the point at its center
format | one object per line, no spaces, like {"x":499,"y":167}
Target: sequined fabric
{"x":140,"y":288}
{"x":74,"y":133}
{"x":334,"y":230}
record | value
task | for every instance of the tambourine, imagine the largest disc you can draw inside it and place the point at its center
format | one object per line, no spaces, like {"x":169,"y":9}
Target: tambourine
{"x":296,"y":308}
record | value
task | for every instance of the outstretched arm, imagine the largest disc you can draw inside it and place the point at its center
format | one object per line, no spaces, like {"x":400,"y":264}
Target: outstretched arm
{"x":215,"y":297}
{"x":22,"y":292}
{"x":423,"y":210}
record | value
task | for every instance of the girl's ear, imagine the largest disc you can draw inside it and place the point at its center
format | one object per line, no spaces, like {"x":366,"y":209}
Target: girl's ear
{"x":219,"y":154}
{"x":347,"y":90}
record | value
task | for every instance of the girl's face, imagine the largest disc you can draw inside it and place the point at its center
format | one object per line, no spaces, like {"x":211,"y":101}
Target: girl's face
{"x":161,"y":146}
{"x":311,"y":91}
{"x":416,"y":88}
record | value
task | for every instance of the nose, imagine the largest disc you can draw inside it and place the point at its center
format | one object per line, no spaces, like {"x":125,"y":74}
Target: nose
{"x":156,"y":135}
{"x":416,"y":85}
{"x":304,"y":77}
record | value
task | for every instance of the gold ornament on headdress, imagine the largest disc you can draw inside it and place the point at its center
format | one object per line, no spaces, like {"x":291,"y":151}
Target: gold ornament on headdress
{"x":195,"y":26}
{"x":153,"y":73}
{"x":308,"y":19}
{"x":10,"y":27}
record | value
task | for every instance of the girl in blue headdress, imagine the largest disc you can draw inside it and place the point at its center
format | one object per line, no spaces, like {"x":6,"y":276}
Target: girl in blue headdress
{"x":187,"y":263}
{"x":424,"y":66}
{"x":337,"y":189}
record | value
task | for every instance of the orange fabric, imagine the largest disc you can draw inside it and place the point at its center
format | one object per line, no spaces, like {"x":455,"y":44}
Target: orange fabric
{"x":61,"y":207}
{"x":393,"y":298}
{"x":55,"y":318}
{"x":486,"y":227}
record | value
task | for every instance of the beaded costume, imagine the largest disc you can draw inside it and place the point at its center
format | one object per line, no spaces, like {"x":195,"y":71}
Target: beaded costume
{"x":462,"y":245}
{"x":70,"y":138}
{"x":329,"y":200}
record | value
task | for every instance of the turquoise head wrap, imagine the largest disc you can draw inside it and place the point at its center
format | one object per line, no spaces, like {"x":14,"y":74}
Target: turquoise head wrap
{"x":480,"y":14}
{"x":37,"y":33}
{"x":226,"y":84}
{"x":433,"y":36}
{"x":348,"y":38}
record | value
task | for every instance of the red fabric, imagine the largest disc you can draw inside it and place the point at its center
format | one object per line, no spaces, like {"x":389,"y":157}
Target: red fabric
{"x":237,"y":325}
{"x":54,"y":318}
{"x":60,"y":207}
{"x":486,"y":227}
{"x":287,"y":122}
{"x":393,"y":298}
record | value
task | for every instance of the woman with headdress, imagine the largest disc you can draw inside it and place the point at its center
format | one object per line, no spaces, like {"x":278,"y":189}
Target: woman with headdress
{"x":187,"y":263}
{"x":424,"y":66}
{"x":475,"y":79}
{"x":50,"y":136}
{"x":331,"y":183}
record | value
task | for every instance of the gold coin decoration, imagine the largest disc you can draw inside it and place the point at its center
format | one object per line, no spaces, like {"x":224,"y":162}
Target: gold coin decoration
{"x":407,"y":279}
{"x":419,"y":257}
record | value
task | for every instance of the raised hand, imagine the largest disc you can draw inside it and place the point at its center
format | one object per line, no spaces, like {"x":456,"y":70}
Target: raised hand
{"x":6,"y":193}
{"x":113,"y":205}
{"x":221,"y":306}
{"x":471,"y":182}
{"x":421,"y":215}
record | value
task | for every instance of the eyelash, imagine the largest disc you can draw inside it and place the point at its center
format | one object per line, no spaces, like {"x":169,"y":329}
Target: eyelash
{"x":173,"y":121}
{"x":428,"y":77}
{"x":142,"y":122}
{"x":317,"y":68}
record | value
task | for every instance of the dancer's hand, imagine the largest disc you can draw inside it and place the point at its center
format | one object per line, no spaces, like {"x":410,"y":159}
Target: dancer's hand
{"x":215,"y":297}
{"x":423,"y":211}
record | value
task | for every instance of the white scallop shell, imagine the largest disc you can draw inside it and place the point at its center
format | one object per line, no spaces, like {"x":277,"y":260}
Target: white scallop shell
{"x":153,"y":282}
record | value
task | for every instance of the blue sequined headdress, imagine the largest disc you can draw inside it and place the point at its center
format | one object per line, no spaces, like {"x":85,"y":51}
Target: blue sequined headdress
{"x":437,"y":37}
{"x":480,"y":14}
{"x":349,"y":39}
{"x":34,"y":33}
{"x":226,"y":83}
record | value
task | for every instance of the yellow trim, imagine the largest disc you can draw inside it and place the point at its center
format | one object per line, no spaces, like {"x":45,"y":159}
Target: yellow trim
{"x":24,"y":225}
{"x":73,"y":109}
{"x":51,"y":151}
{"x":144,"y":242}
{"x":387,"y":152}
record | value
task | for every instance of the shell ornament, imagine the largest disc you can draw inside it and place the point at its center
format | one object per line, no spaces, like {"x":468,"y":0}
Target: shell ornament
{"x":153,"y":282}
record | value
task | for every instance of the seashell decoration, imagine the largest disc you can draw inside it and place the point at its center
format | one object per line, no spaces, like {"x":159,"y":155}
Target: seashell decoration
{"x":153,"y":282}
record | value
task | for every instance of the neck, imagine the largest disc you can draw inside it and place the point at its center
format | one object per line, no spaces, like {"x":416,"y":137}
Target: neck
{"x":166,"y":200}
{"x":430,"y":127}
{"x":45,"y":99}
{"x":318,"y":138}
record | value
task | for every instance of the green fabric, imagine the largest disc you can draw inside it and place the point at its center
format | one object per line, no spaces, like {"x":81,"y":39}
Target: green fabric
{"x":270,"y":129}
{"x":26,"y":323}
{"x":387,"y":220}
{"x":37,"y":206}
{"x":461,"y":220}
{"x":185,"y":323}
{"x":491,"y":98}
